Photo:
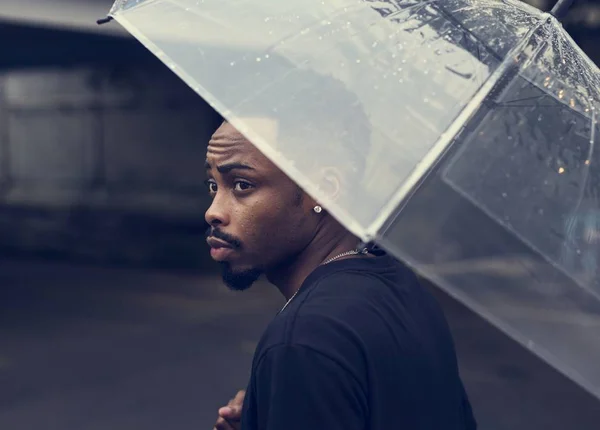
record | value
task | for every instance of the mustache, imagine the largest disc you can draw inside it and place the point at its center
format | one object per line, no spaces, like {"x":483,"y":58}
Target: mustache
{"x":218,"y":234}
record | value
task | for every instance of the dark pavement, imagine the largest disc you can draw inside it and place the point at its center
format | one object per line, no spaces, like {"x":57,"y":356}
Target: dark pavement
{"x":86,"y":348}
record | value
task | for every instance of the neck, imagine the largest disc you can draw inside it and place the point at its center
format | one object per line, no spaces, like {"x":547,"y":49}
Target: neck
{"x":289,"y":277}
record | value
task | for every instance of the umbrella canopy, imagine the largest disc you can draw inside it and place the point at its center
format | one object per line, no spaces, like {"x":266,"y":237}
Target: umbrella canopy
{"x":463,"y":134}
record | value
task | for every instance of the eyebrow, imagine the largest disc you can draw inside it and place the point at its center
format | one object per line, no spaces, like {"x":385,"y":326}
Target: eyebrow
{"x":226,"y":168}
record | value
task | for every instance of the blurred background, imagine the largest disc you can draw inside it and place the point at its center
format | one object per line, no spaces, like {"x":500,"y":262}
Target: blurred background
{"x":112,"y":315}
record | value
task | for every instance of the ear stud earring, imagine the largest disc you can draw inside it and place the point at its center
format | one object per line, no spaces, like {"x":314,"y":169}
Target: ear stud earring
{"x":317,"y":209}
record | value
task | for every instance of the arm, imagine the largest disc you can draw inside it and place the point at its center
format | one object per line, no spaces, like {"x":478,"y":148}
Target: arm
{"x":300,"y":388}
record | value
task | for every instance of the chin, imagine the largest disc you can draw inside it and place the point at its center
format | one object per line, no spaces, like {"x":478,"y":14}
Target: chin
{"x":239,"y":279}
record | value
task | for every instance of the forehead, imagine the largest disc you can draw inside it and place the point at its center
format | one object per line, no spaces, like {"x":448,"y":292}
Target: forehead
{"x":228,"y":143}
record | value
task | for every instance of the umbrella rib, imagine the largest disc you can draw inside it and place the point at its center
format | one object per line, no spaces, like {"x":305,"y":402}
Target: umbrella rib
{"x":464,"y":29}
{"x":579,"y":70}
{"x":511,"y":102}
{"x":524,"y":99}
{"x":586,"y":171}
{"x":534,"y":105}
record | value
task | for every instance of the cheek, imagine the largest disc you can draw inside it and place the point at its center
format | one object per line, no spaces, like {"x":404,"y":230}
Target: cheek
{"x":271,"y":222}
{"x":253,"y":220}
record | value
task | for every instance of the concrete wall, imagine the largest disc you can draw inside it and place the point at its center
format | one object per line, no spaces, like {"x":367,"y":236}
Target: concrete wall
{"x":102,"y":164}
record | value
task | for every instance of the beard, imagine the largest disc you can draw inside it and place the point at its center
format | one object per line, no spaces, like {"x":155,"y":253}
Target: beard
{"x":239,"y":280}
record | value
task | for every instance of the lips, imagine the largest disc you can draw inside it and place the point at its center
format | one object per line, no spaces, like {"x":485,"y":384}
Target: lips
{"x":215,"y":243}
{"x":219,"y":249}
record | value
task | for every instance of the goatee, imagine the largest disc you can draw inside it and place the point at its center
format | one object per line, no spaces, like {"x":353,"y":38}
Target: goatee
{"x":239,"y":280}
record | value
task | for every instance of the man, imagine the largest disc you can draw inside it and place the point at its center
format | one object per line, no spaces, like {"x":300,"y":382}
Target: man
{"x":358,"y":345}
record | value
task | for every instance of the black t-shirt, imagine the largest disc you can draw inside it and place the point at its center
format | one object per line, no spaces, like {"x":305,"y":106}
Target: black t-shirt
{"x":361,"y":346}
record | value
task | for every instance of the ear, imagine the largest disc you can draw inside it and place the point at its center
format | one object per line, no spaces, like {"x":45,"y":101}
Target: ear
{"x":330,"y":180}
{"x":330,"y":183}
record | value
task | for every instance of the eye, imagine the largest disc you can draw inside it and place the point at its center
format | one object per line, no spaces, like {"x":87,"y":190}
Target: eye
{"x":211,"y":185}
{"x":242,"y":186}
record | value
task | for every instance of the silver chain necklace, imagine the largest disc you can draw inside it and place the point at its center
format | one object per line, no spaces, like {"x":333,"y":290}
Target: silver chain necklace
{"x":343,"y":254}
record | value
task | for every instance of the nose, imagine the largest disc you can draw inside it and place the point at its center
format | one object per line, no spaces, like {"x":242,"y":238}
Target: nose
{"x":217,"y":214}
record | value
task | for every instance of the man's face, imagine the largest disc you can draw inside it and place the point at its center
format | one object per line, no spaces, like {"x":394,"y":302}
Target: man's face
{"x":259,"y":218}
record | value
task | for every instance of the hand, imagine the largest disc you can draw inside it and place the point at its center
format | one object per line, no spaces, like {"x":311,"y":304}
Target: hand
{"x":230,"y":416}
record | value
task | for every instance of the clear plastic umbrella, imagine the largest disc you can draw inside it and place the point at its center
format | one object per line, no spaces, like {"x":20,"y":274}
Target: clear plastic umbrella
{"x":463,"y":132}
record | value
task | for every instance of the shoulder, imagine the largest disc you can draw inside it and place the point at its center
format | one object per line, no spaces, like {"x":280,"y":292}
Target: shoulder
{"x":350,"y":309}
{"x":336,"y":317}
{"x":347,"y":292}
{"x":346,"y":284}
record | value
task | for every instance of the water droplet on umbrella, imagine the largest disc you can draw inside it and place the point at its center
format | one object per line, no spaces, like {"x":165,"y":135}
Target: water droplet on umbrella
{"x":232,"y":63}
{"x":258,"y":59}
{"x":504,"y":195}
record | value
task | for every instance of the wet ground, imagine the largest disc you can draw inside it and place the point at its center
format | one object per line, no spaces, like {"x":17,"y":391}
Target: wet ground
{"x":86,"y":348}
